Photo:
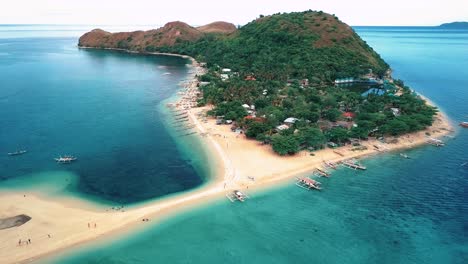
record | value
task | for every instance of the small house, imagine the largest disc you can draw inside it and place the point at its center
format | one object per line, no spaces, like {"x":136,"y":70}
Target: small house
{"x":348,"y":115}
{"x":224,"y":77}
{"x":395,"y":111}
{"x":226,"y":70}
{"x":282,"y":127}
{"x":290,"y":121}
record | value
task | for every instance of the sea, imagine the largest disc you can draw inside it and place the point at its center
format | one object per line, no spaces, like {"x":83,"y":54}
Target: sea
{"x":108,"y":109}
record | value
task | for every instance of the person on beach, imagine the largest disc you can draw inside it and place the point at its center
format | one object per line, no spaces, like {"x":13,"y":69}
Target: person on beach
{"x":29,"y":241}
{"x":19,"y":242}
{"x":94,"y":225}
{"x":88,"y":225}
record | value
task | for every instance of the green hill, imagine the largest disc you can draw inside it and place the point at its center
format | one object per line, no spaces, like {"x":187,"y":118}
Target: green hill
{"x":310,"y":44}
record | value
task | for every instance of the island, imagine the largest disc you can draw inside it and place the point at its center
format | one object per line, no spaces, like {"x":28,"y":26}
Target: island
{"x":296,"y":81}
{"x":283,"y":96}
{"x":455,"y":25}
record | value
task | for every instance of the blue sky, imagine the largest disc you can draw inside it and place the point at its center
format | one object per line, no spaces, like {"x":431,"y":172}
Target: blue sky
{"x":198,"y":12}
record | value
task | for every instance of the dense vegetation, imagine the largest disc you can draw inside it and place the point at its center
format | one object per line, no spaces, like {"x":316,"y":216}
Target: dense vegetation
{"x":285,"y":65}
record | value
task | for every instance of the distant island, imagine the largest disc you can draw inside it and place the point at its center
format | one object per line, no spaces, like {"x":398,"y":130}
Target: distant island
{"x":297,"y":81}
{"x":455,"y":25}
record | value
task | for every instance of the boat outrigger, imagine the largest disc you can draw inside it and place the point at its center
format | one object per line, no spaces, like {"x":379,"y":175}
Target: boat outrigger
{"x":65,"y":159}
{"x":308,"y":183}
{"x":237,"y":195}
{"x":16,"y":153}
{"x":353,"y":165}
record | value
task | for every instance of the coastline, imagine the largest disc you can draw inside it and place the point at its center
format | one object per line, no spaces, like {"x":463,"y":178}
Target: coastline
{"x":66,"y":219}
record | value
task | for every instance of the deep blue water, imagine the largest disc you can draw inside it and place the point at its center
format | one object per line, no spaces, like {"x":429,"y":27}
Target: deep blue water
{"x":398,"y":211}
{"x":104,"y":107}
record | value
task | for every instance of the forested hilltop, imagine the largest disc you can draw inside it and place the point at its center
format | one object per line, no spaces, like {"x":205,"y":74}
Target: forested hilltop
{"x":294,"y":80}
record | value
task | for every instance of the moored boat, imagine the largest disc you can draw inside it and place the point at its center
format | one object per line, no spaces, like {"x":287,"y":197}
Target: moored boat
{"x":323,"y":173}
{"x":353,"y":165}
{"x":308,"y":183}
{"x":464,"y":124}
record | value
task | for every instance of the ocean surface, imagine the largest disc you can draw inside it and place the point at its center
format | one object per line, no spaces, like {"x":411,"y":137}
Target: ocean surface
{"x":105,"y":108}
{"x":398,"y":211}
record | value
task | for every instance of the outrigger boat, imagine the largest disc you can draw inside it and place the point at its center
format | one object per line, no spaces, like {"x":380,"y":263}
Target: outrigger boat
{"x":464,"y":124}
{"x":330,"y":164}
{"x":322,"y":173}
{"x":354,"y":165}
{"x":65,"y":159}
{"x":308,"y":183}
{"x":237,"y":195}
{"x":16,"y":153}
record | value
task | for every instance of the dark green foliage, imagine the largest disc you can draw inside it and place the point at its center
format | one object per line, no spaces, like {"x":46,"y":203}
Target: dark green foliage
{"x":230,"y":110}
{"x":284,"y":145}
{"x":256,"y":128}
{"x":395,"y":127}
{"x":332,"y":114}
{"x":311,"y":137}
{"x":337,"y":134}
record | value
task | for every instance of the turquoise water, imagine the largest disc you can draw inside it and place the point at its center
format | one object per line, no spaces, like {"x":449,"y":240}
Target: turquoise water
{"x":106,"y":108}
{"x":398,"y":211}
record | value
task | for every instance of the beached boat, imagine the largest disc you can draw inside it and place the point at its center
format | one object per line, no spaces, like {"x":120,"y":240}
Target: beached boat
{"x":435,"y":142}
{"x":237,"y":195}
{"x":308,"y":183}
{"x":16,"y":153}
{"x":464,"y":124}
{"x":330,"y":164}
{"x":65,"y":159}
{"x":353,"y":165}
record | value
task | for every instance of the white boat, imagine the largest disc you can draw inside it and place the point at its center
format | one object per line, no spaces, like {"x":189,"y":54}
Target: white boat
{"x":237,"y":195}
{"x":65,"y":159}
{"x":16,"y":153}
{"x":404,"y":156}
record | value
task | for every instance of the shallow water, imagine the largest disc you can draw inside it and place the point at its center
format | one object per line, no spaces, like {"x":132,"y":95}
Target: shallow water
{"x":398,"y":211}
{"x":104,"y":107}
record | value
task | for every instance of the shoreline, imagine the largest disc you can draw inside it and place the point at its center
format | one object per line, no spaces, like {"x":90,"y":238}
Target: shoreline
{"x":67,"y":221}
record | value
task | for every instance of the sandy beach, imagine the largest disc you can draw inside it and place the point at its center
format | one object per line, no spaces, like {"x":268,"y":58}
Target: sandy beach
{"x":61,"y":223}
